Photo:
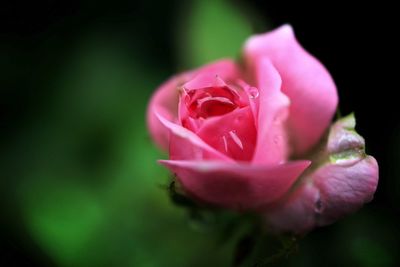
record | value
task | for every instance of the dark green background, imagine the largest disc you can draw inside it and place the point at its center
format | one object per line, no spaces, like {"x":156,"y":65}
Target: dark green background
{"x":79,"y":183}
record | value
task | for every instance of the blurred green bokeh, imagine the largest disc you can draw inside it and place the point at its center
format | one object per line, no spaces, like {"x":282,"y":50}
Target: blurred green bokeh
{"x":212,"y":30}
{"x":91,"y":192}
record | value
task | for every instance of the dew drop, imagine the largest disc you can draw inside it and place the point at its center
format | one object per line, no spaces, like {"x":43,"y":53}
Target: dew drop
{"x":253,"y":92}
{"x":236,"y":139}
{"x":225,"y":143}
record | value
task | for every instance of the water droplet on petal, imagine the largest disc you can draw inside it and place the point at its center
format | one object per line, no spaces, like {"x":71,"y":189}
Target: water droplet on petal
{"x":253,"y":92}
{"x":236,"y":139}
{"x":225,"y":143}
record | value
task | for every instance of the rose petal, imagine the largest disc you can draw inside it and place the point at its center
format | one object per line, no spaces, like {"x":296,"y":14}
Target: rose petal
{"x":204,"y":80}
{"x":233,"y":134}
{"x":236,"y":186}
{"x":272,"y":141}
{"x":340,"y":185}
{"x":165,"y":100}
{"x":346,"y":189}
{"x":336,"y":191}
{"x":305,"y":81}
{"x":249,"y":95}
{"x":208,"y":95}
{"x":187,"y":145}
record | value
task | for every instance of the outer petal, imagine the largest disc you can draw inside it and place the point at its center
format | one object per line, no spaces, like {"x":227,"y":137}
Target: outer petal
{"x":236,"y":186}
{"x":165,"y":103}
{"x":184,"y":144}
{"x":165,"y":99}
{"x":272,"y":141}
{"x":343,"y":183}
{"x":305,"y":81}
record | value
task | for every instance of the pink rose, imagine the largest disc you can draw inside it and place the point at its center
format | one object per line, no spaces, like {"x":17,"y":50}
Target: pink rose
{"x":257,"y":136}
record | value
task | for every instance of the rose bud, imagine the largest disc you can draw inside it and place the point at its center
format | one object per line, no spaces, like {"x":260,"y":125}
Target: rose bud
{"x":257,"y":136}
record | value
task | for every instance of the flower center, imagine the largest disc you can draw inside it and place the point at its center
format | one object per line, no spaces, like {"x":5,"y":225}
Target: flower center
{"x":212,"y":101}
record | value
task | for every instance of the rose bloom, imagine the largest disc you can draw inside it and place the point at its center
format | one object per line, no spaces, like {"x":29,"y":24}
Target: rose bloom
{"x":256,"y":136}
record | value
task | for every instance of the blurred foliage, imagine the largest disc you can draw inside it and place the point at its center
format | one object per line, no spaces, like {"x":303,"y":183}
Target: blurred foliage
{"x":96,"y":198}
{"x":212,"y":30}
{"x":91,"y":193}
